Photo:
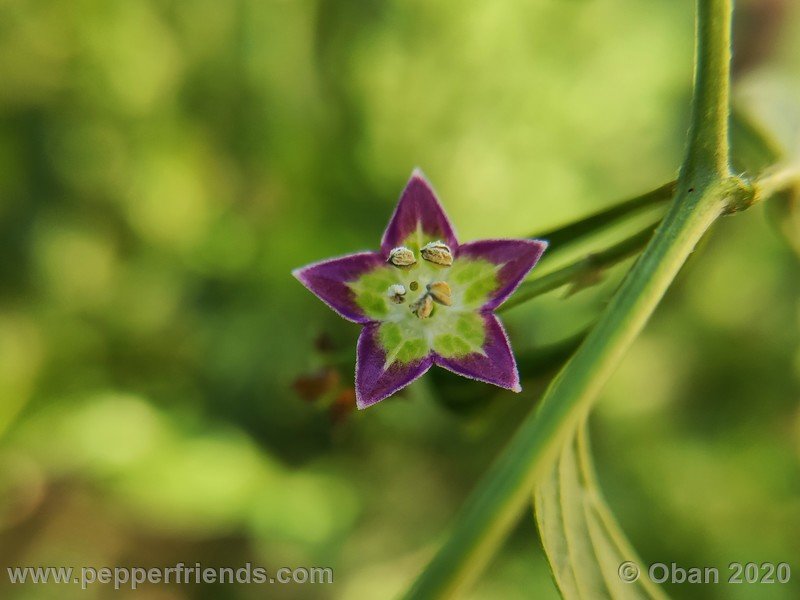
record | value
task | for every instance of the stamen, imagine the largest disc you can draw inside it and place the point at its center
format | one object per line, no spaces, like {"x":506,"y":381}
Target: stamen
{"x":438,"y":253}
{"x":397,"y":293}
{"x":422,"y":307}
{"x":402,"y":257}
{"x":440,"y":291}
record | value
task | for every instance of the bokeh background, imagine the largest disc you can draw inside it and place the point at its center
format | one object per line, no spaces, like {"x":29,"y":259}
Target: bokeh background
{"x":168,"y":392}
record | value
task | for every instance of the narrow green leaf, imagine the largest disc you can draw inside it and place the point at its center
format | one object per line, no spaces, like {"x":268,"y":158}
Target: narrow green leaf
{"x":571,"y":233}
{"x":582,"y":273}
{"x":583,"y":542}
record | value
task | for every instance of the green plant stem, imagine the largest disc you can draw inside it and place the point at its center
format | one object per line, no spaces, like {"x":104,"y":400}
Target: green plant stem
{"x":704,"y":190}
{"x":577,"y":230}
{"x":497,"y":502}
{"x":580,"y":269}
{"x":708,"y":147}
{"x":776,"y":180}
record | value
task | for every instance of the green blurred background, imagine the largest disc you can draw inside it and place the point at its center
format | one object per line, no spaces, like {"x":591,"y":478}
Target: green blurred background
{"x":165,"y":164}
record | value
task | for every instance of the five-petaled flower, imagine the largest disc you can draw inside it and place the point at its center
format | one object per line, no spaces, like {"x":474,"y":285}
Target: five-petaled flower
{"x":425,"y":299}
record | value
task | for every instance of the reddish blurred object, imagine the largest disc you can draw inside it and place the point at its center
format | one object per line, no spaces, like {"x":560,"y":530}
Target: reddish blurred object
{"x":314,"y":386}
{"x":343,"y":405}
{"x":324,"y":343}
{"x":757,"y":25}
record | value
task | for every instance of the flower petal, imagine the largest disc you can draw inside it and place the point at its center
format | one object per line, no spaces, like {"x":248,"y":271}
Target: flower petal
{"x":495,"y":365}
{"x":328,"y":280}
{"x":514,"y":257}
{"x":418,"y":209}
{"x":375,"y":381}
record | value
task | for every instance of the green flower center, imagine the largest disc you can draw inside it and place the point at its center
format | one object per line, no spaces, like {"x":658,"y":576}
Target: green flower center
{"x":427,"y":305}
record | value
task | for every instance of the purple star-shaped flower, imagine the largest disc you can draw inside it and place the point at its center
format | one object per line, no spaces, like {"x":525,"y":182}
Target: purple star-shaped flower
{"x":425,"y":299}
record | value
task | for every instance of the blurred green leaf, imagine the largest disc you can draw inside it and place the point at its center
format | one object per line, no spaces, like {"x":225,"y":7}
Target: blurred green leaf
{"x":752,"y":147}
{"x":784,"y":212}
{"x":587,"y":550}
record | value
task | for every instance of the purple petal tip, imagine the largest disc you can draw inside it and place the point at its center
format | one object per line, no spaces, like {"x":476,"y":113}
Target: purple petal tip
{"x":328,"y":280}
{"x":418,"y":207}
{"x":515,"y":258}
{"x":496,"y":365}
{"x":375,"y":381}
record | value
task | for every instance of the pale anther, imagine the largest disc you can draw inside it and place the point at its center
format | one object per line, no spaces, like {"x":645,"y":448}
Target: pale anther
{"x":440,"y":292}
{"x":422,"y":307}
{"x":397,"y":293}
{"x":438,"y":253}
{"x":402,"y":257}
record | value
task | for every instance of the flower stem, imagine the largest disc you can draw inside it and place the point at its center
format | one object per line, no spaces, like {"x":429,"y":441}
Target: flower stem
{"x":581,"y":269}
{"x":776,"y":180}
{"x":577,"y":230}
{"x":708,"y":148}
{"x":704,"y":190}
